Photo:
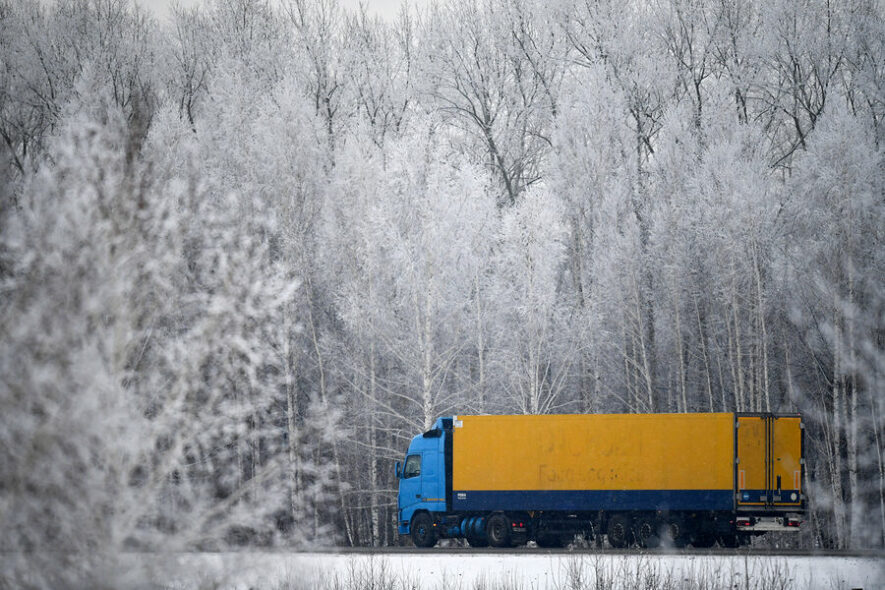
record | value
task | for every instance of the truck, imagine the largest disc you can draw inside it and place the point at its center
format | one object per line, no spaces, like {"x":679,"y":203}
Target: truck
{"x":643,"y":479}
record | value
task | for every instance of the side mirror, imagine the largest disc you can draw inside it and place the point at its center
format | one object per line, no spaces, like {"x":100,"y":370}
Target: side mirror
{"x":399,"y":470}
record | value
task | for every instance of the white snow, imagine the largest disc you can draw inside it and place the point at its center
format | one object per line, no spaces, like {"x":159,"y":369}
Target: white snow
{"x":511,"y":570}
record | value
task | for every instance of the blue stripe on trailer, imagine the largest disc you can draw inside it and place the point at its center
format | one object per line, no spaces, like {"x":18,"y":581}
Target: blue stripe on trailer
{"x":590,"y":500}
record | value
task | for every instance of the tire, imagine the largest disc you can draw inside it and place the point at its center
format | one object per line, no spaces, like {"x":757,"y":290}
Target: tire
{"x":498,"y":531}
{"x":477,"y":542}
{"x":618,"y":531}
{"x":646,"y":532}
{"x":672,"y":532}
{"x":423,"y":533}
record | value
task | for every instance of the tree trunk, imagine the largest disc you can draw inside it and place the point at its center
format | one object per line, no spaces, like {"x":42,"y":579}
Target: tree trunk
{"x":877,"y":438}
{"x":426,"y":336}
{"x":856,"y":507}
{"x":480,"y":347}
{"x":737,"y":360}
{"x":292,"y":435}
{"x":628,"y":368}
{"x":645,"y":368}
{"x":838,"y":400}
{"x":336,"y":454}
{"x":760,"y":310}
{"x":679,"y":350}
{"x":373,"y":461}
{"x":732,"y":363}
{"x":702,"y":332}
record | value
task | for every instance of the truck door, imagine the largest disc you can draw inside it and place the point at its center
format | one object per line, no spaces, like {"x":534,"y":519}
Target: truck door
{"x":769,"y":461}
{"x":431,"y":482}
{"x":410,"y":484}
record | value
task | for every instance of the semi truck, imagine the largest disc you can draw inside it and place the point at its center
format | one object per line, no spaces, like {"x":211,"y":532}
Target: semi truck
{"x":641,"y":479}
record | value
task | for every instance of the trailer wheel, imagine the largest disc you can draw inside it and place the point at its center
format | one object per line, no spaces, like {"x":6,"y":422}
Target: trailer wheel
{"x":674,"y":532}
{"x":647,"y":533}
{"x":618,"y":531}
{"x":423,"y":534}
{"x":498,"y":531}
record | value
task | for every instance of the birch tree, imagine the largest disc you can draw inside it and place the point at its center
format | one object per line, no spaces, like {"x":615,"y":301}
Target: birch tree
{"x":532,"y":344}
{"x":842,"y":178}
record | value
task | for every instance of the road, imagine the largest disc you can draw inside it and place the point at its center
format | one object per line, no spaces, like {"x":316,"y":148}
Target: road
{"x":684,"y":552}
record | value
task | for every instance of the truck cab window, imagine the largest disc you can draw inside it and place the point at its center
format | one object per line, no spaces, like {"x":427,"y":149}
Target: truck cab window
{"x":413,"y":466}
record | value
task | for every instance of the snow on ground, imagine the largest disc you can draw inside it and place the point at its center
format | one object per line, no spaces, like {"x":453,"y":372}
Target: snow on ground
{"x":505,"y":571}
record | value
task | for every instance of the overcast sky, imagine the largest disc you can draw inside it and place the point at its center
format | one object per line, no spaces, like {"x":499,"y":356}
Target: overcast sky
{"x":385,"y":8}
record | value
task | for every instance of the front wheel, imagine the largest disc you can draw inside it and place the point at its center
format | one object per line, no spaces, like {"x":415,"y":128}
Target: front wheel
{"x":423,"y":534}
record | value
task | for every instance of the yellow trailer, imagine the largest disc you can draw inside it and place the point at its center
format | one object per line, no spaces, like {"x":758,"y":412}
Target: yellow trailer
{"x":626,"y":461}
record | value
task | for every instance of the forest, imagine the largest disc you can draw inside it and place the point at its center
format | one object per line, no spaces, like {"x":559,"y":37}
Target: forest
{"x":249,"y":251}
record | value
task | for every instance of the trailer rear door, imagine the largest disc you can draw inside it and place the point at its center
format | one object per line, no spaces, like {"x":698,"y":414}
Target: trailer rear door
{"x":752,"y":450}
{"x":769,"y":461}
{"x":786,"y":461}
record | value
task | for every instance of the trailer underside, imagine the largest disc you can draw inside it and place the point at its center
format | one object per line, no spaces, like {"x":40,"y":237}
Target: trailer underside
{"x":619,"y":528}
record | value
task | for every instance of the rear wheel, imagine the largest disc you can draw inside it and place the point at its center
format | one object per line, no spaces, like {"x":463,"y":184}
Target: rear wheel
{"x":618,"y":531}
{"x":647,"y":532}
{"x":674,"y":532}
{"x":423,"y":534}
{"x":498,"y":531}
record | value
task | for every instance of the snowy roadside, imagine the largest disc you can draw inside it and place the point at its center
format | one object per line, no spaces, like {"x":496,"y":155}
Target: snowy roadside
{"x":506,"y":571}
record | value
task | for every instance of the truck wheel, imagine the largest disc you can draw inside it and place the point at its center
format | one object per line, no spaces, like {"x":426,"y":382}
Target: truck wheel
{"x":498,"y":531}
{"x":423,"y":534}
{"x":674,"y":532}
{"x":647,"y":533}
{"x":618,"y":531}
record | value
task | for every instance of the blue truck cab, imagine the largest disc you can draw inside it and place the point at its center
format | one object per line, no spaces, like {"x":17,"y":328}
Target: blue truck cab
{"x":422,"y":477}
